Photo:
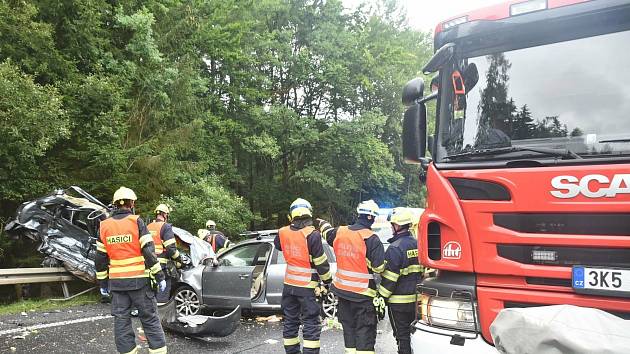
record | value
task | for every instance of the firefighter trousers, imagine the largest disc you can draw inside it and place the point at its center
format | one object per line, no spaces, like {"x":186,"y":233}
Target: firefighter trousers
{"x":359,"y":325}
{"x":144,"y":300}
{"x":294,"y":306}
{"x":401,"y":316}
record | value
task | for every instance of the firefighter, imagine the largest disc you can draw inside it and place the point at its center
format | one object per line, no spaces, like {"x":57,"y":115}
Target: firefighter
{"x":214,"y":237}
{"x":307,"y":264}
{"x":401,"y":276}
{"x":125,"y":262}
{"x":359,"y":254}
{"x":165,"y":247}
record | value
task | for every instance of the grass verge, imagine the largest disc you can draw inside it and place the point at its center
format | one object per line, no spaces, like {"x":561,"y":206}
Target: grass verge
{"x":46,"y":304}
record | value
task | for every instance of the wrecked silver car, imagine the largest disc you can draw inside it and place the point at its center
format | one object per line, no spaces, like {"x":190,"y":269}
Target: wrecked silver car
{"x":250,"y":274}
{"x":66,"y":223}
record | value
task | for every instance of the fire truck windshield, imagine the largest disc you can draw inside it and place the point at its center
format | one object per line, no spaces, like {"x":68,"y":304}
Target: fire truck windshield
{"x":562,"y":100}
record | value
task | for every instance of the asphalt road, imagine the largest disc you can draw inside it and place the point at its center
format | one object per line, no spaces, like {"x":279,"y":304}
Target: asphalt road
{"x":88,"y":329}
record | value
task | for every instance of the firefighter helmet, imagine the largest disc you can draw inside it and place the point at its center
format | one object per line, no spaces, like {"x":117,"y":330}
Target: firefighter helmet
{"x":401,"y":217}
{"x":163,"y":208}
{"x":300,"y":207}
{"x":210,"y":223}
{"x":123,"y":193}
{"x":368,"y":207}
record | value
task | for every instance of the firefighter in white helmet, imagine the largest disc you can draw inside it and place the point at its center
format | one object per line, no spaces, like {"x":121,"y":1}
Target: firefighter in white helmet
{"x":307,"y":264}
{"x":165,"y":248}
{"x":215,"y":238}
{"x":125,"y":261}
{"x":359,"y":254}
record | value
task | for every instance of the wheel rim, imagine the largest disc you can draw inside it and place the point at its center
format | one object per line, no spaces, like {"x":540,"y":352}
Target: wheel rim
{"x":329,"y":305}
{"x":186,"y":302}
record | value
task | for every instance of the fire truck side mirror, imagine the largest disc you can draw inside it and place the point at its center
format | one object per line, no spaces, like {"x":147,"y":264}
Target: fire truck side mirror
{"x":414,"y":135}
{"x":413,"y":91}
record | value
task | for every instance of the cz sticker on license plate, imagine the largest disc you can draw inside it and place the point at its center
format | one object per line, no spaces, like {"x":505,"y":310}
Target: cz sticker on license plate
{"x":601,"y":281}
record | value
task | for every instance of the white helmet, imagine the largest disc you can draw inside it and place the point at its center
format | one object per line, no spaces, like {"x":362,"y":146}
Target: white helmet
{"x":210,"y":223}
{"x":300,"y":207}
{"x":124,"y":193}
{"x":368,"y":207}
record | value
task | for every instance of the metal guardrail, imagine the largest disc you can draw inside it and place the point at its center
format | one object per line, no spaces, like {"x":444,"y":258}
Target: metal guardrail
{"x":19,"y":276}
{"x":13,"y":276}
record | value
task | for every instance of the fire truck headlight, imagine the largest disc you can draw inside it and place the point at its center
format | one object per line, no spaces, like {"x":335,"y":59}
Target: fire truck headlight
{"x":448,"y":313}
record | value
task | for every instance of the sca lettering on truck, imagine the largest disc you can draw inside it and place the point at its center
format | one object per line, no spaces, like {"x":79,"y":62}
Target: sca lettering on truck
{"x":452,"y":250}
{"x":590,"y":186}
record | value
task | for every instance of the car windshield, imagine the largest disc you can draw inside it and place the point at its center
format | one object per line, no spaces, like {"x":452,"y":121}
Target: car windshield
{"x":563,"y":100}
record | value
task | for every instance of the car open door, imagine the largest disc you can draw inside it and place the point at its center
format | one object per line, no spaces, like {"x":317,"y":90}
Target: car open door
{"x":229,"y":284}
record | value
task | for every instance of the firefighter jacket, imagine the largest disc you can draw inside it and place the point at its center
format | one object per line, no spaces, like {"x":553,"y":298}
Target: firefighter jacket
{"x":217,"y":240}
{"x":164,"y":241}
{"x":307,"y":263}
{"x":402,"y":271}
{"x":125,"y":254}
{"x":359,"y":254}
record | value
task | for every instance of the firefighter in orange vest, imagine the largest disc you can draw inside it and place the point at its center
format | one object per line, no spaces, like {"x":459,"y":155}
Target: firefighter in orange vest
{"x":307,"y":264}
{"x":359,"y":254}
{"x":125,"y":261}
{"x":165,"y":247}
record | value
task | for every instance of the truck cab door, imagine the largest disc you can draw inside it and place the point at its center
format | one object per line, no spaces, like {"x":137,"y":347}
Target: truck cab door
{"x":230,"y":283}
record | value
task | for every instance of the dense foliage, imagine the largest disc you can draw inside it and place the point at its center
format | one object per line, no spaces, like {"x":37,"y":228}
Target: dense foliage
{"x":228,"y":109}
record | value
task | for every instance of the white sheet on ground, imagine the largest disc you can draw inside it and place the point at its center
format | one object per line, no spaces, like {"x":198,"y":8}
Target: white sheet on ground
{"x":193,"y":320}
{"x":560,"y":329}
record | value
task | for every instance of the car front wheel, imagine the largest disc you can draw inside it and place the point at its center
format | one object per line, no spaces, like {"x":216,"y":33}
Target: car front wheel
{"x":186,"y":301}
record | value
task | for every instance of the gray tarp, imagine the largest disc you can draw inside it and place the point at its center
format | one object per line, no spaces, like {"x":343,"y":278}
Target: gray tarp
{"x":560,"y":329}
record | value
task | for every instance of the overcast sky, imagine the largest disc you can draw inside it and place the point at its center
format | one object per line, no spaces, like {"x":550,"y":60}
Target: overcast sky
{"x":425,"y":15}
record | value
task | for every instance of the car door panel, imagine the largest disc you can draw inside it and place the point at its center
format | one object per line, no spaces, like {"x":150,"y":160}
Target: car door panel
{"x":227,"y":287}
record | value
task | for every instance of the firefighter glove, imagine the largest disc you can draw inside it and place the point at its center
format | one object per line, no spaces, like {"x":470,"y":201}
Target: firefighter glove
{"x":379,"y":305}
{"x":162,"y":285}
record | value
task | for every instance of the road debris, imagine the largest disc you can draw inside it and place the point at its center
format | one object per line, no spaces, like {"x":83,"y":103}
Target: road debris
{"x":271,"y":341}
{"x":270,"y":319}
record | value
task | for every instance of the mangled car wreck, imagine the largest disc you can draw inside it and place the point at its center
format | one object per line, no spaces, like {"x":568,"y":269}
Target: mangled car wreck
{"x":66,"y":222}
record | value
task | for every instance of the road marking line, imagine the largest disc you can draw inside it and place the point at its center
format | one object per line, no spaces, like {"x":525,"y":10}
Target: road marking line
{"x":54,"y":324}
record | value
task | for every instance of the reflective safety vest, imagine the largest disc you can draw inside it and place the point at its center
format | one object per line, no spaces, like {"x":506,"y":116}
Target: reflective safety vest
{"x":352,"y":266}
{"x":295,"y":251}
{"x":121,"y":238}
{"x":155,"y":228}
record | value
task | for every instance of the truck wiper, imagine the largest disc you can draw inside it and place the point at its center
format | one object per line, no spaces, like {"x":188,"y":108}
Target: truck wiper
{"x":624,"y":140}
{"x":565,"y":153}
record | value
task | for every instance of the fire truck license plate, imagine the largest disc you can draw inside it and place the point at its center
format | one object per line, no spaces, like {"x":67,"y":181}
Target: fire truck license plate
{"x":604,"y":281}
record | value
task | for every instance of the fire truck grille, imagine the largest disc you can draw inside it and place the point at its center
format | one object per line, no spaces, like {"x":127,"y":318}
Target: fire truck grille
{"x":609,"y":224}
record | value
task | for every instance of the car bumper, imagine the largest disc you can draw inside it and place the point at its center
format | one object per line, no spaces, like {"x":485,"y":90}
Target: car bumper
{"x":428,"y":342}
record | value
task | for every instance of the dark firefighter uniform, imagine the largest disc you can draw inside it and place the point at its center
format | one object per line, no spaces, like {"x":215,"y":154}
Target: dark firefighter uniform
{"x":126,"y":257}
{"x":217,"y":240}
{"x":301,"y":246}
{"x":359,"y":254}
{"x":398,"y":285}
{"x":165,"y":249}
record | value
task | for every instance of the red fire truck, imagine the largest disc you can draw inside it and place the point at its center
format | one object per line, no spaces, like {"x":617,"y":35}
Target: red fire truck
{"x":528,"y":177}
